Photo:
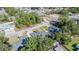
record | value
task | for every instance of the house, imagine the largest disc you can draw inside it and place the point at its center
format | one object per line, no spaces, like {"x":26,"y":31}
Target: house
{"x":8,"y":28}
{"x":3,"y":12}
{"x":75,"y":17}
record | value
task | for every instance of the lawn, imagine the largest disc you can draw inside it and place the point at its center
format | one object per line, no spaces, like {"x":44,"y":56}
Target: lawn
{"x":74,"y":41}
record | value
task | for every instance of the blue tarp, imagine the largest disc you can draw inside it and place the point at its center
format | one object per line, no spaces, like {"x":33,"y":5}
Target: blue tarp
{"x":54,"y":29}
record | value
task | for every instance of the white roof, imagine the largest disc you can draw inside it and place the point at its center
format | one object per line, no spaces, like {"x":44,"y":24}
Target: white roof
{"x":6,"y":26}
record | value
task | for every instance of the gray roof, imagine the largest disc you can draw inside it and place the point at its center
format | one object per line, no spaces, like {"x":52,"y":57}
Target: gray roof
{"x":75,"y":17}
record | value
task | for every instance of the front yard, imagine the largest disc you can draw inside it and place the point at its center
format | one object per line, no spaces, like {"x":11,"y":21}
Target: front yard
{"x":70,"y":45}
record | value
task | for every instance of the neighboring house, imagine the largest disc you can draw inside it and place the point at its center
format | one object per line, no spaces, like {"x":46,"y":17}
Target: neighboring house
{"x":2,"y":11}
{"x":8,"y":28}
{"x":9,"y":32}
{"x":75,"y":17}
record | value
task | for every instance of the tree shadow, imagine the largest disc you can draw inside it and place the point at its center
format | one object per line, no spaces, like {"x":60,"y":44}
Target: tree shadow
{"x":74,"y":47}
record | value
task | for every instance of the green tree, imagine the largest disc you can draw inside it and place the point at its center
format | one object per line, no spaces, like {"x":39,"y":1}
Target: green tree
{"x":4,"y":45}
{"x":38,"y":43}
{"x":68,"y":25}
{"x":11,"y":11}
{"x":4,"y":18}
{"x":69,"y":28}
{"x":62,"y":38}
{"x":27,"y":19}
{"x":64,"y":11}
{"x":74,"y":9}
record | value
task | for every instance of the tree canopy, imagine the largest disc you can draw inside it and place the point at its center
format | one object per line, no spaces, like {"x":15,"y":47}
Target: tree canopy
{"x":38,"y":43}
{"x":27,"y":19}
{"x":68,"y":25}
{"x":69,"y":28}
{"x":4,"y":45}
{"x":11,"y":11}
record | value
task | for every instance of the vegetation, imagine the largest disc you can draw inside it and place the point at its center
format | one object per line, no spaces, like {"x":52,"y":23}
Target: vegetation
{"x":4,"y":18}
{"x":68,"y":25}
{"x":74,"y":41}
{"x":27,"y":19}
{"x":68,"y":28}
{"x":23,"y":18}
{"x":4,"y":45}
{"x":38,"y":43}
{"x":44,"y":28}
{"x":74,"y":10}
{"x":64,"y":11}
{"x":11,"y":11}
{"x":67,"y":11}
{"x":62,"y":38}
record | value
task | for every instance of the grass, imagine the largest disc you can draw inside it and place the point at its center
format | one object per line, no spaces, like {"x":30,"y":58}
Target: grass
{"x":42,"y":28}
{"x":74,"y":41}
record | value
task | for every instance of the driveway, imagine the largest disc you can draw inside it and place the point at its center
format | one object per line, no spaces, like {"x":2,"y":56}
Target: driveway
{"x":58,"y":47}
